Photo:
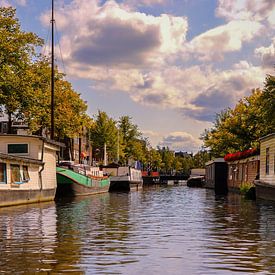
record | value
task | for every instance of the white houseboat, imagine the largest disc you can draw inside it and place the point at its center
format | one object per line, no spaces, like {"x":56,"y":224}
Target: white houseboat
{"x":124,"y":178}
{"x":265,"y":186}
{"x":27,"y":169}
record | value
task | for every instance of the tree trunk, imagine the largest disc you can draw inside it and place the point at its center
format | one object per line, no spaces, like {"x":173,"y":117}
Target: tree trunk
{"x":9,"y":123}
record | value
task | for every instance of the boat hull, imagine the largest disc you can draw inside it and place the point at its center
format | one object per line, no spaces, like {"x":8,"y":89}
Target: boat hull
{"x":16,"y":197}
{"x":70,"y":183}
{"x":264,"y":191}
{"x":125,"y":186}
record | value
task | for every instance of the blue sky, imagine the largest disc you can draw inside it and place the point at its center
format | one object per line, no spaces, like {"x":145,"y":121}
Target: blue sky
{"x":169,"y":64}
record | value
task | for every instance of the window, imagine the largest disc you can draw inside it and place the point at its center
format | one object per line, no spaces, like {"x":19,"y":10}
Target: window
{"x":3,"y":173}
{"x":15,"y":173}
{"x":18,"y":148}
{"x":267,"y":161}
{"x":26,"y":176}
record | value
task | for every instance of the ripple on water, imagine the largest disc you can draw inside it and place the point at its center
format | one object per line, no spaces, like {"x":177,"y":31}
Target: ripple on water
{"x":160,"y":230}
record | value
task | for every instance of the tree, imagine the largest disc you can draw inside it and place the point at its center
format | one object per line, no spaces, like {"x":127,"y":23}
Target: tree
{"x":130,"y":139}
{"x":104,"y":131}
{"x":241,"y":128}
{"x":17,"y":55}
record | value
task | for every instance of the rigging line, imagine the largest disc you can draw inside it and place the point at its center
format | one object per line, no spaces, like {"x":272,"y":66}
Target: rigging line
{"x":60,"y":51}
{"x":47,"y":43}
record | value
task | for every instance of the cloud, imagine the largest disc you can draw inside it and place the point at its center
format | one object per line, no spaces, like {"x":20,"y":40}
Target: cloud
{"x":120,"y":49}
{"x":267,"y":55}
{"x":252,"y":10}
{"x":140,"y":3}
{"x":181,"y":141}
{"x":213,"y":44}
{"x":110,"y":35}
{"x":8,"y":3}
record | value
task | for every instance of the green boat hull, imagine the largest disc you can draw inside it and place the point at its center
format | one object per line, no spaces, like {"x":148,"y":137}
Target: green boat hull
{"x":70,"y":183}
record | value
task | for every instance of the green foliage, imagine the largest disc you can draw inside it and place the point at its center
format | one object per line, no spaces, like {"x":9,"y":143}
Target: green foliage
{"x":104,"y":131}
{"x":17,"y":56}
{"x":240,"y":128}
{"x":247,"y":189}
{"x":130,"y":138}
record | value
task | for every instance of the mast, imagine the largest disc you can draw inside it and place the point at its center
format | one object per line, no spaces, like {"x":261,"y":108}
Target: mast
{"x":52,"y":75}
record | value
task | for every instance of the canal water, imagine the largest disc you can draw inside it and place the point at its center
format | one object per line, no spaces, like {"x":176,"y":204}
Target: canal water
{"x":160,"y":230}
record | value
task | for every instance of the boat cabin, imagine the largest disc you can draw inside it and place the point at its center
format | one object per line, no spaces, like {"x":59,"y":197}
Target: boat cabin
{"x":216,"y":175}
{"x":265,"y":186}
{"x":27,"y":169}
{"x":242,"y":171}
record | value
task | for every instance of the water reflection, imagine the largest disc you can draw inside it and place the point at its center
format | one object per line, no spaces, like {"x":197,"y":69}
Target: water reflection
{"x":160,"y":230}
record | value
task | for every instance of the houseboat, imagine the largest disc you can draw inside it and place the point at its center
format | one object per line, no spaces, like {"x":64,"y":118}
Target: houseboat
{"x":243,"y":167}
{"x":80,"y":180}
{"x":265,"y":185}
{"x":124,"y":178}
{"x":27,"y":169}
{"x":216,"y":175}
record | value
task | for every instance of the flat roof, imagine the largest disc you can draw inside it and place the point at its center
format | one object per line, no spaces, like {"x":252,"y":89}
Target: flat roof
{"x":267,"y":136}
{"x":50,"y":141}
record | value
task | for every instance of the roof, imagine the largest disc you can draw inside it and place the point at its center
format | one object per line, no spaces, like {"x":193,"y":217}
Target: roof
{"x":19,"y":158}
{"x":50,"y":141}
{"x":272,"y":135}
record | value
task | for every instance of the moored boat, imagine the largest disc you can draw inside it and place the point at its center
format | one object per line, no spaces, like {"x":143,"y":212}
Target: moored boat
{"x":77,"y":183}
{"x":124,"y":178}
{"x":27,"y":169}
{"x":197,"y":178}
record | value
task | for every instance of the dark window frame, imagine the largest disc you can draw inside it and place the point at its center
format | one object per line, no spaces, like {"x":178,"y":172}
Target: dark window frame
{"x":15,"y":150}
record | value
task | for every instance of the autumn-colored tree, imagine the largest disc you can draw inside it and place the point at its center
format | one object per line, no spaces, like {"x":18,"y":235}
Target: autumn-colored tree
{"x":17,"y":55}
{"x":241,"y":128}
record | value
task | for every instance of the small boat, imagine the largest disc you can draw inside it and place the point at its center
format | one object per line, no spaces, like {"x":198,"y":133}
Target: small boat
{"x":124,"y":178}
{"x":79,"y":182}
{"x":197,"y":178}
{"x":27,"y":169}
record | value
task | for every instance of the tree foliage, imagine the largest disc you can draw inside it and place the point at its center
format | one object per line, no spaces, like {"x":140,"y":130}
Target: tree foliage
{"x":104,"y":131}
{"x":17,"y":56}
{"x":240,"y":128}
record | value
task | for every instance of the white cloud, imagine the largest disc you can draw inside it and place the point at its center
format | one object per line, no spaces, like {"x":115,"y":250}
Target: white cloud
{"x":113,"y":36}
{"x":120,"y":49}
{"x":254,"y":10}
{"x":213,"y":44}
{"x":267,"y":55}
{"x":181,"y":141}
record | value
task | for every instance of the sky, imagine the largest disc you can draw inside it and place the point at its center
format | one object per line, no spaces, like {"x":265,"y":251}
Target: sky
{"x":171,"y":65}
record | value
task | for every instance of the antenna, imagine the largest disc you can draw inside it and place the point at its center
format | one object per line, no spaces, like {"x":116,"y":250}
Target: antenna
{"x":52,"y":76}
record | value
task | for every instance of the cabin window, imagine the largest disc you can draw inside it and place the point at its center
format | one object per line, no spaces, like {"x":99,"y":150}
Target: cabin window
{"x":3,"y":171}
{"x":267,"y":161}
{"x":18,"y":148}
{"x":26,"y":176}
{"x":15,"y":173}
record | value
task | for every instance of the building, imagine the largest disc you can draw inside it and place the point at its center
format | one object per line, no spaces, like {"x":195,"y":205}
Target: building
{"x":265,"y":186}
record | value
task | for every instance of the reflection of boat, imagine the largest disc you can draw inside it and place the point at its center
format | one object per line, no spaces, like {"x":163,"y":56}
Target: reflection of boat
{"x":81,"y":182}
{"x":27,"y":169}
{"x":124,"y":178}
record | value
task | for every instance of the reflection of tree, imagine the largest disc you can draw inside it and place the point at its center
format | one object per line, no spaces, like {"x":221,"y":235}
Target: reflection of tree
{"x":236,"y":242}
